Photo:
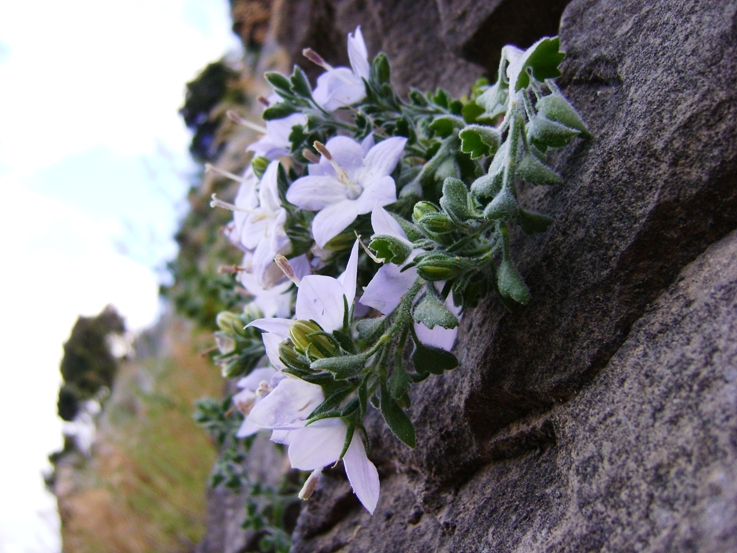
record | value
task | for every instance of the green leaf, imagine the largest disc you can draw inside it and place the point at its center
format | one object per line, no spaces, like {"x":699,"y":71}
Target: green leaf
{"x":429,"y":359}
{"x":441,"y":98}
{"x":444,"y":125}
{"x":278,"y":81}
{"x":532,"y":170}
{"x":431,"y":312}
{"x":278,"y":111}
{"x":485,"y":188}
{"x":399,"y":382}
{"x":370,"y":329}
{"x":510,"y":282}
{"x":363,"y":396}
{"x":533,"y":223}
{"x":494,"y":103}
{"x":479,"y":140}
{"x":343,"y":367}
{"x":547,"y":133}
{"x":471,"y":111}
{"x":390,"y":249}
{"x":556,"y":108}
{"x":456,"y":200}
{"x":503,"y":207}
{"x":396,"y":418}
{"x":418,"y":98}
{"x":299,"y":83}
{"x":543,"y":59}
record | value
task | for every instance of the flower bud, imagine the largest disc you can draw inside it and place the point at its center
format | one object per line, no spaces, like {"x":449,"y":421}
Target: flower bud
{"x":421,"y":208}
{"x":259,"y":165}
{"x":441,"y":267}
{"x":436,"y":223}
{"x":305,"y":337}
{"x":229,"y":323}
{"x":224,"y":343}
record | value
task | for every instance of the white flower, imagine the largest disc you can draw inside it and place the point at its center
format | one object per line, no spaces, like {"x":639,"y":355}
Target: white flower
{"x":247,"y":398}
{"x":350,"y":180}
{"x":311,"y":447}
{"x":339,"y":87}
{"x":390,"y":284}
{"x":321,"y":299}
{"x":275,"y":143}
{"x":262,"y":230}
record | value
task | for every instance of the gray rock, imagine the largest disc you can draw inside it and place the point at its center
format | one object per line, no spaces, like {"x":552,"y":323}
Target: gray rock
{"x":602,"y":415}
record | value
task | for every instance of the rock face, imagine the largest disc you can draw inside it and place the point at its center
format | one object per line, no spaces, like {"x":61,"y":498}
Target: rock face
{"x":603,"y":415}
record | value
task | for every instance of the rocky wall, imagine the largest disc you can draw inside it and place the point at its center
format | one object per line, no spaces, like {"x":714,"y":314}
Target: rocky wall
{"x":602,"y":416}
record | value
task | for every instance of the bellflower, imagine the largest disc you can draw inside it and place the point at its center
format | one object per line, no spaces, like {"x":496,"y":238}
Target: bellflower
{"x":311,"y":447}
{"x":262,"y":230}
{"x":319,"y":298}
{"x":391,"y":283}
{"x":348,"y":181}
{"x":275,"y":143}
{"x":340,"y":87}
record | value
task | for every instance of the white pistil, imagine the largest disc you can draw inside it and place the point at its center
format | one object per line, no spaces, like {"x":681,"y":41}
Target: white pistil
{"x":310,"y":485}
{"x":225,"y":205}
{"x":286,"y":268}
{"x":223,"y":173}
{"x":263,"y":389}
{"x":233,"y":116}
{"x":340,"y":173}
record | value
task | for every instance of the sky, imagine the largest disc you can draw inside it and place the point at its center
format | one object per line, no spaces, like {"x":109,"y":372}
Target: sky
{"x":93,"y":170}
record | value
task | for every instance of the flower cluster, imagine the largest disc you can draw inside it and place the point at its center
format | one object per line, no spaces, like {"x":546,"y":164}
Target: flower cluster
{"x":432,"y":181}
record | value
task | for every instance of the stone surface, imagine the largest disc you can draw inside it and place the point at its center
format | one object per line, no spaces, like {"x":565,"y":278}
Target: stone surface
{"x":477,"y":31}
{"x":602,"y":415}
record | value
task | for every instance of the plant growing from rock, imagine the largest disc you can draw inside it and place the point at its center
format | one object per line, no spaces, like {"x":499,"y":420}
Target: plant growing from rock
{"x":369,"y":223}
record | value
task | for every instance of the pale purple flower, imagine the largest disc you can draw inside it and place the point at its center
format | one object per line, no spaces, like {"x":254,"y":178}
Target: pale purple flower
{"x":350,"y":180}
{"x":247,"y":398}
{"x":262,"y":230}
{"x":340,"y":87}
{"x":390,"y":284}
{"x":275,"y":142}
{"x":311,"y":447}
{"x":319,"y":298}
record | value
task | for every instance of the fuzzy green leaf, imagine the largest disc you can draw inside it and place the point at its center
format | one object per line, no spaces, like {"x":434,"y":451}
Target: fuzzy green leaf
{"x":428,"y":359}
{"x":431,"y":312}
{"x":479,"y":140}
{"x":390,"y":249}
{"x":510,"y":282}
{"x":543,"y":59}
{"x":396,"y":418}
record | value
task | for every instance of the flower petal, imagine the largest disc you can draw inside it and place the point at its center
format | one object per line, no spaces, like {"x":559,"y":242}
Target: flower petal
{"x":288,"y":405}
{"x":320,"y":298}
{"x":247,"y":428}
{"x":386,"y":289}
{"x":315,"y":193}
{"x":382,"y":159}
{"x":362,"y":474}
{"x":358,"y":54}
{"x":384,"y":223}
{"x":277,"y":326}
{"x":252,"y":381}
{"x":271,"y":345}
{"x":317,"y":444}
{"x":381,"y":192}
{"x":438,"y":336}
{"x":346,"y":152}
{"x":349,"y":276}
{"x":332,"y":220}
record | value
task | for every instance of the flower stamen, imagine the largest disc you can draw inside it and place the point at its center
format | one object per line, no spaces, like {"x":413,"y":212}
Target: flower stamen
{"x":340,"y":173}
{"x":233,"y":116}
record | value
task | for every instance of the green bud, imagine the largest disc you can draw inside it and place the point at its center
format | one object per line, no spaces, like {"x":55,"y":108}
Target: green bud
{"x":421,"y":208}
{"x":230,"y":367}
{"x":441,"y":267}
{"x":230,"y":323}
{"x":305,"y":334}
{"x":436,"y":223}
{"x":259,"y":165}
{"x":503,"y":207}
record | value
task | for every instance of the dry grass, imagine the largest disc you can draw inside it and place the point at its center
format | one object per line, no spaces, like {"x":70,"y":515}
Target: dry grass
{"x":144,"y":488}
